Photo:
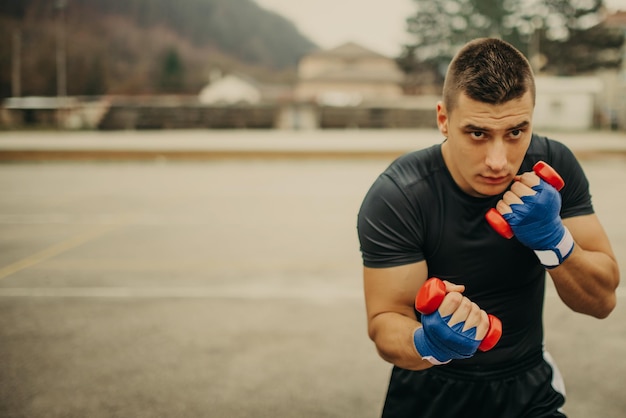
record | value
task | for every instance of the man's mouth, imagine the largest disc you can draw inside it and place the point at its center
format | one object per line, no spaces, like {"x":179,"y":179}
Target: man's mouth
{"x":495,"y":180}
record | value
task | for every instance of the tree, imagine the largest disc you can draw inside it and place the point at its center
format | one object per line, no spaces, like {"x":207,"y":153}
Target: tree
{"x":440,"y":28}
{"x":584,"y":51}
{"x":145,"y":46}
{"x":421,"y":77}
{"x":581,"y":42}
{"x":172,"y":75}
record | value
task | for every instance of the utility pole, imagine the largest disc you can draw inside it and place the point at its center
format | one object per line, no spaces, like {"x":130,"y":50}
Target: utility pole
{"x":535,"y":57}
{"x":61,"y":63}
{"x":16,"y":81}
{"x":61,"y":51}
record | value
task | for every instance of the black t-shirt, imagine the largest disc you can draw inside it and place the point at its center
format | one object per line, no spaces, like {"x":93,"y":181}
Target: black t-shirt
{"x":415,"y":211}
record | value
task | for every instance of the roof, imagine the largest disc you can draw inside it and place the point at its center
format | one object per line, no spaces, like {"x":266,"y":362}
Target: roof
{"x":616,"y":19}
{"x":38,"y":102}
{"x":358,"y":74}
{"x":348,"y":50}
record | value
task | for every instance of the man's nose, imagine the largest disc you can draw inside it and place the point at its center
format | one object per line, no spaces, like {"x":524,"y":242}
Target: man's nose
{"x":496,"y":156}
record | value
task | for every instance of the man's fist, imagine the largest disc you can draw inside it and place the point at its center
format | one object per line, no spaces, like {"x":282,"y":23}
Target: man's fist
{"x":531,"y":207}
{"x":454,"y":330}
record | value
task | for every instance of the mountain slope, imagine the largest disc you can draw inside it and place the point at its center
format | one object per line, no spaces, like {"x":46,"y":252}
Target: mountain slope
{"x":143,"y":46}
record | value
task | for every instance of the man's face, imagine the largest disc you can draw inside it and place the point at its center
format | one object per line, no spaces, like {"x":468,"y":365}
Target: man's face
{"x":486,"y":143}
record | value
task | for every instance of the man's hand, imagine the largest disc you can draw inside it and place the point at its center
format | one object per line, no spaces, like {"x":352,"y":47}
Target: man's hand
{"x":454,"y":331}
{"x":463,"y":311}
{"x":531,"y":207}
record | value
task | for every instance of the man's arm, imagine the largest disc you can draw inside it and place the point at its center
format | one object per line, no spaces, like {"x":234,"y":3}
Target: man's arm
{"x":389,"y":299}
{"x":587,"y":280}
{"x":583,"y":266}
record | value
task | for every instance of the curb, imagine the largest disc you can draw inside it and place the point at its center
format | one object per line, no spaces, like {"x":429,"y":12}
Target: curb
{"x":7,"y":156}
{"x":200,"y":145}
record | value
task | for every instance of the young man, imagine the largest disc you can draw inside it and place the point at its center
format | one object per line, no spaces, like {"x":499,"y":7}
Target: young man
{"x":425,"y":217}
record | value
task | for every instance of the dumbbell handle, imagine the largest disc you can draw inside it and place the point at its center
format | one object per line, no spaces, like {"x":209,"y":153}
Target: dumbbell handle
{"x":547,"y":174}
{"x":429,"y":299}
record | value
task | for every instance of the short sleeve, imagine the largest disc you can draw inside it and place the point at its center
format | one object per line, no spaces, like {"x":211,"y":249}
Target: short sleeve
{"x":389,"y":226}
{"x":576,"y":198}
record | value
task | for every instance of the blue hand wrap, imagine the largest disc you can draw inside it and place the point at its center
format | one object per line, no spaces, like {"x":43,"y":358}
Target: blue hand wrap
{"x":537,"y":225}
{"x":439,"y":343}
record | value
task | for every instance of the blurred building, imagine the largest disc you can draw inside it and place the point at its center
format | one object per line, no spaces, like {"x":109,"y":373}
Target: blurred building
{"x":351,"y":86}
{"x":612,"y":109}
{"x":83,"y":112}
{"x":231,"y":89}
{"x":347,"y":76}
{"x":566,"y":103}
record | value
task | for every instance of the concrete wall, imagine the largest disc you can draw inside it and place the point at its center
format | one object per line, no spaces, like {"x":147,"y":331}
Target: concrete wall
{"x":297,"y":116}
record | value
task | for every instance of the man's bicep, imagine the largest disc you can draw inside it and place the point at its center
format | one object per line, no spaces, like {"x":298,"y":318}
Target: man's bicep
{"x":393,"y":289}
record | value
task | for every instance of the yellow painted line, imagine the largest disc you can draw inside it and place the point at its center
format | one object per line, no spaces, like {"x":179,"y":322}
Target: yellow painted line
{"x":257,"y":291}
{"x":196,"y":265}
{"x":58,"y":248}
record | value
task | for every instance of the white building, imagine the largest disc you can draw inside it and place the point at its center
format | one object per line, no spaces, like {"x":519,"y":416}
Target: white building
{"x":347,"y":75}
{"x":566,"y":103}
{"x":231,"y":89}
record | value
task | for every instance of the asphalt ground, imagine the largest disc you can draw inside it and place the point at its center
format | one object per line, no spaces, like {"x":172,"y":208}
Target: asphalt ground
{"x":225,"y":287}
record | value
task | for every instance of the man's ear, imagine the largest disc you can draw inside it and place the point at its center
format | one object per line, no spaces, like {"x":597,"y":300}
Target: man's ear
{"x":442,"y":119}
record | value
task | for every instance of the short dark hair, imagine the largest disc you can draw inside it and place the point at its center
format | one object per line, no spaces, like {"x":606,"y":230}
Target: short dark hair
{"x":488,"y":70}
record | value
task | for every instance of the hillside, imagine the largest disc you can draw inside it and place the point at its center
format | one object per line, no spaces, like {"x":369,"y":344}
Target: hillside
{"x":144,"y":46}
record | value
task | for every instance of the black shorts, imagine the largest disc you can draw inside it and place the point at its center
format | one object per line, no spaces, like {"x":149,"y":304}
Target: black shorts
{"x":524,"y":389}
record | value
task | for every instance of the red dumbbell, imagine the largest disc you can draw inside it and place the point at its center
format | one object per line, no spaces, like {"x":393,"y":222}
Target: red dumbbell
{"x":429,"y":299}
{"x":547,"y":174}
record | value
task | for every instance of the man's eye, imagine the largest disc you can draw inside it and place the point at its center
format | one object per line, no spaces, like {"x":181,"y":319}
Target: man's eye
{"x":516,"y":133}
{"x":477,"y":135}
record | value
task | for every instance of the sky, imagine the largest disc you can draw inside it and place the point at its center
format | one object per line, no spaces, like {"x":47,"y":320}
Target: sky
{"x":379,"y":25}
{"x":376,"y":24}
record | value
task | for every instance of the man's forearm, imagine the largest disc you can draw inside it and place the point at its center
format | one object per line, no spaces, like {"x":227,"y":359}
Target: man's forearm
{"x":586,"y":282}
{"x":393,"y":335}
